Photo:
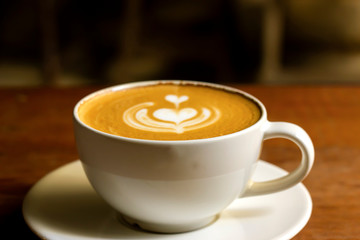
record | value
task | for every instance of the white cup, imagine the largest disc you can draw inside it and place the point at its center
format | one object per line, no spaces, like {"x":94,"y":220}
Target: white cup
{"x":177,"y":186}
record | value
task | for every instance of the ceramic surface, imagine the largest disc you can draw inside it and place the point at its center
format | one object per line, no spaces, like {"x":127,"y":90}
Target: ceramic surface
{"x":64,"y":206}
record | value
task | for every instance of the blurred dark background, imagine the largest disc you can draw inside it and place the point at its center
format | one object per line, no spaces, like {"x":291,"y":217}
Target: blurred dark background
{"x":69,"y":43}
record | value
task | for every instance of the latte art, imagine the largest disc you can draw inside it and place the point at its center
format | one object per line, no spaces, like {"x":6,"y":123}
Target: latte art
{"x":176,"y":120}
{"x":169,"y":111}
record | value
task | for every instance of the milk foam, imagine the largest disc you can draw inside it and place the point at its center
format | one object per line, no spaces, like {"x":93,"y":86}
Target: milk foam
{"x":172,"y":120}
{"x":169,"y":112}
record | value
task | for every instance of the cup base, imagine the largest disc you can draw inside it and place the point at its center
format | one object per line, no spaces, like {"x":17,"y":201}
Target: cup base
{"x":166,"y":228}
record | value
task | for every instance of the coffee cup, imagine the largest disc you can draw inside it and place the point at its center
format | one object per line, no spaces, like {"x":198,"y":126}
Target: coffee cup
{"x":169,"y":156}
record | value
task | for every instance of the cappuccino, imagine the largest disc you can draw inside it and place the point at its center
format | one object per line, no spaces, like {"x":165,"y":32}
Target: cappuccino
{"x":161,"y":185}
{"x":169,"y":111}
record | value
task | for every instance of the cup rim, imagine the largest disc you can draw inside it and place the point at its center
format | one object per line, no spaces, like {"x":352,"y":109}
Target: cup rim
{"x":118,"y":87}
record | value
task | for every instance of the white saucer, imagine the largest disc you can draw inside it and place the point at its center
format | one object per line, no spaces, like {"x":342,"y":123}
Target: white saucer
{"x":63,"y":206}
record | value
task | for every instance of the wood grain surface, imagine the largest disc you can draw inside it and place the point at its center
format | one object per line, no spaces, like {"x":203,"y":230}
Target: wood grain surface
{"x":36,"y":136}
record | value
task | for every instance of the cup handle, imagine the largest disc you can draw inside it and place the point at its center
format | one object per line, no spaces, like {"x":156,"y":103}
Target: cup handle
{"x":301,"y":138}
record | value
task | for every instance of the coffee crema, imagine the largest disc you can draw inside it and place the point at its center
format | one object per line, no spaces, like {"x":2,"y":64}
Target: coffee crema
{"x":169,"y":111}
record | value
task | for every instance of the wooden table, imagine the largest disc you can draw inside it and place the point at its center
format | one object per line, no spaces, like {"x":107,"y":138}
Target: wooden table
{"x":36,"y":136}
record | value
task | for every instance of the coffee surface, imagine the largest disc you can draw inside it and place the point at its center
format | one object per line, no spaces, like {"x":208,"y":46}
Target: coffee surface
{"x":169,"y":112}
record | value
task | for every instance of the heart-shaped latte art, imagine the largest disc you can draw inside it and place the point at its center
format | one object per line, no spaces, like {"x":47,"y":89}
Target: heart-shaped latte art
{"x":176,"y":99}
{"x":176,"y":116}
